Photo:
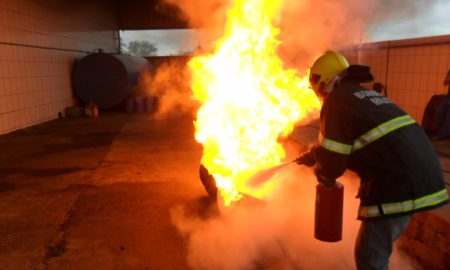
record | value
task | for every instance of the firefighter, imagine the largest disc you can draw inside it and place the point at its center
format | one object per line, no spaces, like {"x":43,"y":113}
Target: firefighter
{"x":367,"y":133}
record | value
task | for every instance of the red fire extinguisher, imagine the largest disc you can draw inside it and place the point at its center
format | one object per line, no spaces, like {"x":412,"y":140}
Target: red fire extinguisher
{"x":328,"y":215}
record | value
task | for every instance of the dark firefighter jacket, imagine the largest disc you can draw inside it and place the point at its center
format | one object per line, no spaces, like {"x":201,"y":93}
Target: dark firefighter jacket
{"x":367,"y":133}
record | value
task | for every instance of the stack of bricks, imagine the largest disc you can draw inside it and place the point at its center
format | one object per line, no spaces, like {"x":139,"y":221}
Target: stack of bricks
{"x":427,"y":239}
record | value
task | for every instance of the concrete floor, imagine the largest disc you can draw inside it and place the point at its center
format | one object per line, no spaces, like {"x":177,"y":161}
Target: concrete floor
{"x":82,"y":193}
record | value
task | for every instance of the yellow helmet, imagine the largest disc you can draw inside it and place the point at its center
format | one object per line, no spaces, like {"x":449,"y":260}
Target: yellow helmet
{"x":325,"y":68}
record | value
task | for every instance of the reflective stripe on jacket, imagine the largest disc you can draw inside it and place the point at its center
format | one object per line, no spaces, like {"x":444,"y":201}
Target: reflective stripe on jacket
{"x":367,"y":133}
{"x":424,"y":202}
{"x":374,"y":134}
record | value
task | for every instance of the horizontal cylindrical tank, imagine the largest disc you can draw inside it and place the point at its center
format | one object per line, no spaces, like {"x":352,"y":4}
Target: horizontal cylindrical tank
{"x":107,"y":79}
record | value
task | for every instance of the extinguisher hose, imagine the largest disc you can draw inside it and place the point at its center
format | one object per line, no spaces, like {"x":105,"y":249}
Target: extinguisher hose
{"x":265,"y":175}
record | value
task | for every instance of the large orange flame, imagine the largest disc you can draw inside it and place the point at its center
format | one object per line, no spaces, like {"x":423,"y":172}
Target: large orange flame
{"x":248,"y":99}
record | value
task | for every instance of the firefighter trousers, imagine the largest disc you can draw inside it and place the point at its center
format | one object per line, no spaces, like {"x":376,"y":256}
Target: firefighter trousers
{"x":375,"y":240}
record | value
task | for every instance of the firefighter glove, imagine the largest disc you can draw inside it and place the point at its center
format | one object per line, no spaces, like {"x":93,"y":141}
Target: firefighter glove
{"x":307,"y":159}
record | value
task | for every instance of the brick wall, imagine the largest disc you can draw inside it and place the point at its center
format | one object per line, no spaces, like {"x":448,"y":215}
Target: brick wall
{"x":39,"y":42}
{"x":413,"y":70}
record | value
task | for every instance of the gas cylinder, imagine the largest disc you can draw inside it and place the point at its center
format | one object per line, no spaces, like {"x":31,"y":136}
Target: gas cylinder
{"x":94,"y":110}
{"x":328,"y":212}
{"x":91,"y":110}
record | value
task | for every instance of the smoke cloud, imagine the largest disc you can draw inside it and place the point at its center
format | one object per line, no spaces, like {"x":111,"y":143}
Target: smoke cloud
{"x":276,"y":233}
{"x":170,"y":85}
{"x":208,"y":15}
{"x":310,"y":27}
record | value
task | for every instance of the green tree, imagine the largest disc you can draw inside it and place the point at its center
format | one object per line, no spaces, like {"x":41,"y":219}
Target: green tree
{"x":140,"y":48}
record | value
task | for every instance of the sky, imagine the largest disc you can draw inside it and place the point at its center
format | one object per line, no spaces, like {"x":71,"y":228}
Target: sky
{"x":430,"y":21}
{"x":430,"y":18}
{"x":168,"y":42}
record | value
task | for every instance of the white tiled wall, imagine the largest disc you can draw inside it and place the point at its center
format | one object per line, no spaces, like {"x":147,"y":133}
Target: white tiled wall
{"x":39,"y":42}
{"x":413,"y":70}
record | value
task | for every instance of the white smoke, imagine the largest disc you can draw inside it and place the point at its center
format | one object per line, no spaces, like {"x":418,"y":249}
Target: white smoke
{"x":276,"y":233}
{"x":170,"y":84}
